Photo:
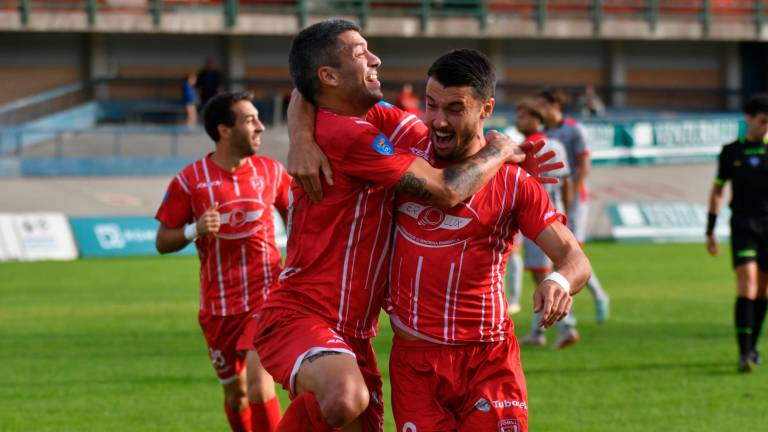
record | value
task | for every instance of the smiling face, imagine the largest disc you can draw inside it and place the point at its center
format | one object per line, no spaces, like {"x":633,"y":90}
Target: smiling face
{"x":455,"y":118}
{"x":357,"y":75}
{"x":245,"y":135}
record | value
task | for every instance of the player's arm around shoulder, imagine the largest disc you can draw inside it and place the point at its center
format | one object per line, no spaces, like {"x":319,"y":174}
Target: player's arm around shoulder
{"x":572,"y":270}
{"x":449,"y":186}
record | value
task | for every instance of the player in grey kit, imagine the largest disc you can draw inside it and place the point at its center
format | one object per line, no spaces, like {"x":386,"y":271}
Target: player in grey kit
{"x":573,"y":136}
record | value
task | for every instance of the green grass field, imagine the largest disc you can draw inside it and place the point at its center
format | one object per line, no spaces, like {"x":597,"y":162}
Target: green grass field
{"x":114,"y":345}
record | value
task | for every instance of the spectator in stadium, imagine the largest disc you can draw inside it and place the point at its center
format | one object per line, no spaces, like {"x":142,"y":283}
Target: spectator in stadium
{"x":590,"y":103}
{"x":314,"y":332}
{"x":223,"y":202}
{"x":573,"y":136}
{"x":190,"y":99}
{"x":408,"y":101}
{"x":745,"y":164}
{"x":209,"y":82}
{"x":530,"y":122}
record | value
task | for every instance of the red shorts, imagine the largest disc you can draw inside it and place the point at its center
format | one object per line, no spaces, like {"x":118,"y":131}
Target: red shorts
{"x":227,"y":338}
{"x":475,"y":387}
{"x":285,"y":338}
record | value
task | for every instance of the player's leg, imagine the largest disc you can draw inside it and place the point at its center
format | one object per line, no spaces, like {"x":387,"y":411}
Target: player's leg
{"x":236,"y":403}
{"x":318,"y":368}
{"x":761,"y":303}
{"x":514,"y":277}
{"x":264,"y":403}
{"x":568,"y":335}
{"x":221,"y":335}
{"x":539,"y":265}
{"x":536,"y":336}
{"x":416,"y":373}
{"x":496,"y":398}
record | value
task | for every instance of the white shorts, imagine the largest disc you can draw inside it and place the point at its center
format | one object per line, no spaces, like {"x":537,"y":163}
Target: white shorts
{"x":577,"y":218}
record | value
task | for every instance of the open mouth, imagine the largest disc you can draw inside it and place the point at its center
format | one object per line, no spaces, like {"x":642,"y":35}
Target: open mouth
{"x":372,"y":79}
{"x":442,"y":139}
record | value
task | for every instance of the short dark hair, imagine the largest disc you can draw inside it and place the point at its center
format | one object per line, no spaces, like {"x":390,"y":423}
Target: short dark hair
{"x":465,"y":67}
{"x":554,"y":95}
{"x":218,"y":111}
{"x":530,"y":106}
{"x":757,"y":103}
{"x":316,"y":46}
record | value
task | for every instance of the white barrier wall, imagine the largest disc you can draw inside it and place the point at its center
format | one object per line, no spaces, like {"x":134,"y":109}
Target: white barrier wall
{"x":36,"y":236}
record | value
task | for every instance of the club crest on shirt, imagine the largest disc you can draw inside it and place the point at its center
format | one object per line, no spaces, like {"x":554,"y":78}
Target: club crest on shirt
{"x":257,"y":183}
{"x":509,"y":425}
{"x":382,"y":146}
{"x":431,"y":218}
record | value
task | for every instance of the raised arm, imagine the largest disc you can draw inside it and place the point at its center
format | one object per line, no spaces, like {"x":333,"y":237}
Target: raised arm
{"x":554,"y":295}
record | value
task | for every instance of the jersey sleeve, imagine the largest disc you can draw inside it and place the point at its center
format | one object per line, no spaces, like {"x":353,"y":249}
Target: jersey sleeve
{"x":282,"y":187}
{"x":723,"y":167}
{"x":532,"y":207}
{"x":372,"y":158}
{"x":401,"y":128}
{"x":176,"y":209}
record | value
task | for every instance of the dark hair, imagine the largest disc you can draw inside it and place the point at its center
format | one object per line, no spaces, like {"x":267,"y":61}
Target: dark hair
{"x":218,"y":111}
{"x":757,"y":103}
{"x":532,"y":107}
{"x":465,"y":67}
{"x":316,"y":46}
{"x":554,"y":95}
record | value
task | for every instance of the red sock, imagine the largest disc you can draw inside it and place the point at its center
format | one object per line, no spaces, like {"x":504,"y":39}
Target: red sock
{"x":265,"y":416}
{"x":304,"y":415}
{"x":239,"y":422}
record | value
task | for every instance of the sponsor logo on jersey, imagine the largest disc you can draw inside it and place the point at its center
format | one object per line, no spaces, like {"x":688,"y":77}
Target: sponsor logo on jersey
{"x":240,"y":218}
{"x":509,"y":425}
{"x":386,"y":104}
{"x":382,"y":146}
{"x":212,"y":183}
{"x":509,"y":404}
{"x":482,"y":405}
{"x":431,"y":218}
{"x":409,"y":427}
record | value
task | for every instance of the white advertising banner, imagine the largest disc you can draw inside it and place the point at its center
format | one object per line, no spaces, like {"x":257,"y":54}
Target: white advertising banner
{"x":36,"y":236}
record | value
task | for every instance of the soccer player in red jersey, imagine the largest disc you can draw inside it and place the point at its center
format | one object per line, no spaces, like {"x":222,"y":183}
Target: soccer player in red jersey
{"x":314,"y":332}
{"x":455,"y":362}
{"x":223,"y":202}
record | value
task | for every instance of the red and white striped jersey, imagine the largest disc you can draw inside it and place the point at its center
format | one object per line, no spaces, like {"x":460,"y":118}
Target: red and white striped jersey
{"x":338,"y":249}
{"x":447,"y":270}
{"x":239,"y":266}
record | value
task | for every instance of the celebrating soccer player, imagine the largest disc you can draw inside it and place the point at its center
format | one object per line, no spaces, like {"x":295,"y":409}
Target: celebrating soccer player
{"x":745,"y":164}
{"x":223,"y":202}
{"x":314,"y":332}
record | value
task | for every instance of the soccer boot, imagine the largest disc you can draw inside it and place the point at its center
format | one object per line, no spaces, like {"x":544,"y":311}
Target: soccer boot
{"x":746,"y":364}
{"x":602,"y":310}
{"x":566,"y":339}
{"x":513,"y":309}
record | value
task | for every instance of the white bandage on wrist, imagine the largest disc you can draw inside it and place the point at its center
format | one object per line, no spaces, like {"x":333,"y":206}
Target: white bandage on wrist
{"x":190,"y":231}
{"x":560,"y":280}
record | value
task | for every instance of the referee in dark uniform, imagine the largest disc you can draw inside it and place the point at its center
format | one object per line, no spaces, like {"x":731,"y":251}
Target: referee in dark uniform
{"x":745,"y":163}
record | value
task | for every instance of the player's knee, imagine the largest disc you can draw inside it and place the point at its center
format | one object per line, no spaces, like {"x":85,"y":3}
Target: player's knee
{"x":345,"y":403}
{"x":235,"y":397}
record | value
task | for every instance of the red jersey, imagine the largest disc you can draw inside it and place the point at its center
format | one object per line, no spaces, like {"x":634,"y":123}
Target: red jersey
{"x":240,"y":265}
{"x":447,"y":269}
{"x":338,"y":249}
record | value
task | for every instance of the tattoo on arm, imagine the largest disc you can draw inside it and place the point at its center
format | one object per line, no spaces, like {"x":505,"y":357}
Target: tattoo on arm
{"x":463,"y":177}
{"x":314,"y":357}
{"x":412,"y":185}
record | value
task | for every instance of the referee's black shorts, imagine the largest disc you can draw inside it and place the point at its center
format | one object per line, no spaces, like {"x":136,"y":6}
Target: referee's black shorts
{"x":749,"y":240}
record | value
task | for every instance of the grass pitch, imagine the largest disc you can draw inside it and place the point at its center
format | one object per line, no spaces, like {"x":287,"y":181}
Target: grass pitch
{"x":114,"y":345}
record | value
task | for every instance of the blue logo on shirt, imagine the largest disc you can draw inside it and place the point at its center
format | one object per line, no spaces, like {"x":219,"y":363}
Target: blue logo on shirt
{"x":382,"y":146}
{"x":386,"y":104}
{"x":754,"y":161}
